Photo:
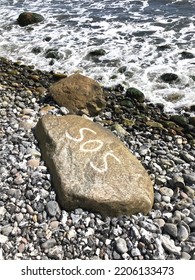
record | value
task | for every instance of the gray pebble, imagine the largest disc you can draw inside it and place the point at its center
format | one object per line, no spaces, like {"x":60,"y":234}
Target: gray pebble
{"x":6,"y":230}
{"x":52,"y":208}
{"x":185,"y":256}
{"x":169,"y":245}
{"x":166,"y":191}
{"x":48,"y":244}
{"x":121,"y":245}
{"x":135,"y":252}
{"x":170,"y":229}
{"x":3,"y":239}
{"x":116,"y":255}
{"x":182,"y":231}
{"x":189,"y":178}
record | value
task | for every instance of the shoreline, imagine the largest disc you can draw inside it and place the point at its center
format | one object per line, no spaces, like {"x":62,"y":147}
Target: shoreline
{"x":164,"y":144}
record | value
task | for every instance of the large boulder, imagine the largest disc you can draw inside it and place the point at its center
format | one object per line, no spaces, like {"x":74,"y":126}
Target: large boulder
{"x":79,"y":94}
{"x":91,"y":168}
{"x":27,"y":18}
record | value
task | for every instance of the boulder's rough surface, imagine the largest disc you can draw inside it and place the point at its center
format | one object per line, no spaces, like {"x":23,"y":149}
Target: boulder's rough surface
{"x":78,"y":93}
{"x":91,"y":168}
{"x":27,"y":18}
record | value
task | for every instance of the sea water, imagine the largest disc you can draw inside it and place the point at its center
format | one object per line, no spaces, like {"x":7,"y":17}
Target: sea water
{"x":141,"y":41}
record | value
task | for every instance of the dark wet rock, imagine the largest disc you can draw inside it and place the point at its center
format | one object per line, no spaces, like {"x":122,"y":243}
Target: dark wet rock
{"x":186,"y":55}
{"x":192,"y":120}
{"x":27,"y":18}
{"x":122,"y":69}
{"x":99,"y":52}
{"x":163,"y":47}
{"x":135,"y":94}
{"x":36,"y":50}
{"x":169,"y":77}
{"x":179,"y":119}
{"x":52,"y":53}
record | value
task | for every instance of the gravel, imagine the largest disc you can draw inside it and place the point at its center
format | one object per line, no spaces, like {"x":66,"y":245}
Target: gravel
{"x":32,"y":225}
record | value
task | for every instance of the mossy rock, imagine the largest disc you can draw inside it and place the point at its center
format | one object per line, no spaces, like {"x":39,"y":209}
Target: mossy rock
{"x":169,"y":77}
{"x":59,"y":76}
{"x":126,"y":103}
{"x":135,"y":94}
{"x":179,"y":119}
{"x":13,"y":72}
{"x":168,"y":124}
{"x":154,"y":124}
{"x":128,"y":122}
{"x":117,"y":127}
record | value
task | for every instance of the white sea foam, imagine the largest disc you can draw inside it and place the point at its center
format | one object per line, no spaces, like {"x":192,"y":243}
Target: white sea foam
{"x":130,"y":32}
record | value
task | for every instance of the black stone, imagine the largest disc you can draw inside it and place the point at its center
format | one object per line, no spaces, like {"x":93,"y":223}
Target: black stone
{"x":169,"y":77}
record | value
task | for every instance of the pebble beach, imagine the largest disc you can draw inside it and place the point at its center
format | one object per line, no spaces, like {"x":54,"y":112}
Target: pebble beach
{"x":32,"y":225}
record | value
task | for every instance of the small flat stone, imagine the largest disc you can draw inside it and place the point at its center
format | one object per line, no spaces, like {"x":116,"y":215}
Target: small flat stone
{"x":166,"y":191}
{"x":48,"y":244}
{"x":178,"y":181}
{"x":187,"y":157}
{"x":21,"y":247}
{"x":169,"y":245}
{"x":91,"y":168}
{"x":29,"y":209}
{"x":183,"y":231}
{"x":189,"y":178}
{"x":135,"y":252}
{"x":121,"y":245}
{"x":171,"y":229}
{"x":54,"y":225}
{"x":3,"y":239}
{"x":71,"y":234}
{"x":34,"y":163}
{"x":52,"y":208}
{"x":2,"y":211}
{"x":1,"y":254}
{"x":185,"y":256}
{"x":6,"y":230}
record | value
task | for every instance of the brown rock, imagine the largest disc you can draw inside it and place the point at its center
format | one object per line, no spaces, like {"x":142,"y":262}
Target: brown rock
{"x":34,"y":163}
{"x":91,"y":168}
{"x":27,"y":18}
{"x":79,"y":94}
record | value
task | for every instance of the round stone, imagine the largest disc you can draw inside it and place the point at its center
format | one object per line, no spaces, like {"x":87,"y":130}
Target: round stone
{"x":121,"y":245}
{"x":170,"y":229}
{"x":52,"y":208}
{"x":183,"y":231}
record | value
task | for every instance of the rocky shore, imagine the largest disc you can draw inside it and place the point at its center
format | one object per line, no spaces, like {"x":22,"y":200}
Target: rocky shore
{"x":32,"y":225}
